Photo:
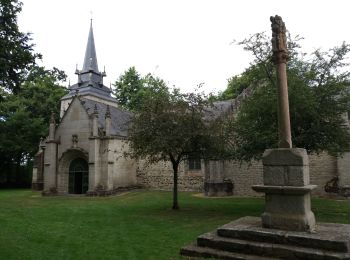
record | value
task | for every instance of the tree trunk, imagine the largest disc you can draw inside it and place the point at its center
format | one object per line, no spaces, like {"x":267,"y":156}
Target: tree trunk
{"x":175,"y":202}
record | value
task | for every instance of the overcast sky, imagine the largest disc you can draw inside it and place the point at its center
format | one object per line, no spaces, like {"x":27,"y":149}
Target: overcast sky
{"x":185,"y":42}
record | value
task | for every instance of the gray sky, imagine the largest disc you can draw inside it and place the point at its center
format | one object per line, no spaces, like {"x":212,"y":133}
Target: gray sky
{"x":185,"y":42}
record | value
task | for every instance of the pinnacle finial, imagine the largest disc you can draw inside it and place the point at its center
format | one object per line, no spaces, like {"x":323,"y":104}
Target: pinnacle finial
{"x":108,"y":112}
{"x":41,"y":143}
{"x":52,"y":118}
{"x":95,"y":110}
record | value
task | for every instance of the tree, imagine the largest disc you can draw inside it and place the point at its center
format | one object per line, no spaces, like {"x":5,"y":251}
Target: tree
{"x":16,"y":51}
{"x":131,"y":88}
{"x":318,"y":93}
{"x":238,"y":83}
{"x":25,"y":116}
{"x":171,"y":127}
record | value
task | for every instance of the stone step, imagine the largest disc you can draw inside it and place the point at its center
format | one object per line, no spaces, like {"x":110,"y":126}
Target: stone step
{"x":206,"y":252}
{"x":280,"y":251}
{"x":328,"y":236}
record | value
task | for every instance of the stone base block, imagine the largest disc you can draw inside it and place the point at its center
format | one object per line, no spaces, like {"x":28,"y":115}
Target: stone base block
{"x":295,"y":222}
{"x":218,"y":189}
{"x":286,"y":167}
{"x":103,"y":193}
{"x":287,"y":190}
{"x":287,"y":207}
{"x":38,"y":186}
{"x":245,"y":238}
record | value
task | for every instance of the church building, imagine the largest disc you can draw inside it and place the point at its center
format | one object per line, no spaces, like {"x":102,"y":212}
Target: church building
{"x":84,"y":152}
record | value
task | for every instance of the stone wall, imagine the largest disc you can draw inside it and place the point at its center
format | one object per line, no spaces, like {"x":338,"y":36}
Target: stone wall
{"x":159,"y":176}
{"x":323,"y":168}
{"x":343,"y":164}
{"x":121,"y":169}
{"x":244,"y":176}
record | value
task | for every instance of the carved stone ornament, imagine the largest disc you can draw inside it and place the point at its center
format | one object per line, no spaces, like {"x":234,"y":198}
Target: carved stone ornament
{"x":74,"y":140}
{"x":279,"y":40}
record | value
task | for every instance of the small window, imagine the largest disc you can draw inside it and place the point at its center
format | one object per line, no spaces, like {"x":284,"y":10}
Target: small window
{"x":194,"y":164}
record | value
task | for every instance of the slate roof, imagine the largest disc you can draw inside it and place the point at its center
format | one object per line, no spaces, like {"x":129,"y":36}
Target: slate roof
{"x":218,"y":109}
{"x":120,"y":119}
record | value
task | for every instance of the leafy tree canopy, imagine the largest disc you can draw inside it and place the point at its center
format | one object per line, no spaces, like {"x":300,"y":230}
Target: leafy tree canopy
{"x":318,"y":94}
{"x":25,"y":116}
{"x":171,"y":127}
{"x":16,"y":50}
{"x":132,"y":88}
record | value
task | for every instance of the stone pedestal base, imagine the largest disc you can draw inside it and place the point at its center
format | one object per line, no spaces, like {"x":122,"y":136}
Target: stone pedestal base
{"x":246,"y":239}
{"x":287,"y":190}
{"x":287,"y":207}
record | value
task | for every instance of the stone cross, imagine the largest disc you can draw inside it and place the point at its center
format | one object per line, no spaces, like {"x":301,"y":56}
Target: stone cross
{"x":280,"y":57}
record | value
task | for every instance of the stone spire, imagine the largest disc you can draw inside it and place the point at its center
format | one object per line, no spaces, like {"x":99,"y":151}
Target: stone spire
{"x":90,"y":74}
{"x":90,"y":60}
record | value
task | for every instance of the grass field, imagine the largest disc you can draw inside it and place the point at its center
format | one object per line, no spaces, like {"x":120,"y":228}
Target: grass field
{"x":136,"y":225}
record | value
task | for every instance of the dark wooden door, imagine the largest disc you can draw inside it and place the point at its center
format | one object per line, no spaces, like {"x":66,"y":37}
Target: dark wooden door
{"x":78,"y":176}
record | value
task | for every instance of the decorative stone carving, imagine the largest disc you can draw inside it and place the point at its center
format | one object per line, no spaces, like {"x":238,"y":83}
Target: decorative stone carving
{"x":279,"y":40}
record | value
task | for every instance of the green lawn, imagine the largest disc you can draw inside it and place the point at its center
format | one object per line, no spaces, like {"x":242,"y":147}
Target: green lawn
{"x":136,"y":225}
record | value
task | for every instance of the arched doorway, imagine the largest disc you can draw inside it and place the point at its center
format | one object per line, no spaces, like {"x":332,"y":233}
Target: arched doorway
{"x":78,"y":176}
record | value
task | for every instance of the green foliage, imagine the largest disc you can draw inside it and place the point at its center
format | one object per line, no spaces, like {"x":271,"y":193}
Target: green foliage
{"x":171,"y":127}
{"x":25,"y":116}
{"x":28,"y":93}
{"x":318,"y":94}
{"x":16,"y":51}
{"x":238,"y":83}
{"x":131,"y":88}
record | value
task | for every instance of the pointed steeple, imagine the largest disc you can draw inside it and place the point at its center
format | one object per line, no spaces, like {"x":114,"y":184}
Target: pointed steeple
{"x":90,"y":74}
{"x":90,"y":79}
{"x":90,"y":60}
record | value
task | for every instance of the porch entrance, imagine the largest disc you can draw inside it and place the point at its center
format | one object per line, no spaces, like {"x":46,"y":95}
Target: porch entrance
{"x":78,"y":176}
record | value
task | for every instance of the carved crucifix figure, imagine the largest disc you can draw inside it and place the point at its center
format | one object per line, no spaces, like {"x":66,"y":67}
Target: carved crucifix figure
{"x":280,"y":57}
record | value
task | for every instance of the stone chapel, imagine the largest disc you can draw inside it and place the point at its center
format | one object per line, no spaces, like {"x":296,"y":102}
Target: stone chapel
{"x":84,"y":152}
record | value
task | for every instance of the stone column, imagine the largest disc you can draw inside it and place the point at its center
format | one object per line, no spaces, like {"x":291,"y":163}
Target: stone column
{"x":50,"y":160}
{"x":280,"y":57}
{"x":286,"y":170}
{"x":94,"y":155}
